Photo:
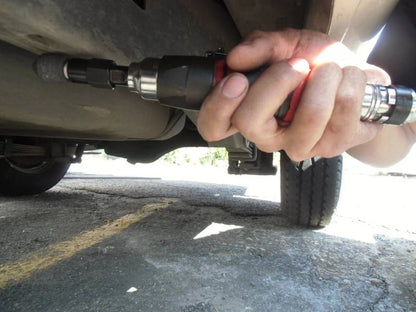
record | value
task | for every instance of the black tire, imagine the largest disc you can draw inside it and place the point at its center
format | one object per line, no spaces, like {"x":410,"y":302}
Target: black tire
{"x":26,"y":178}
{"x":309,"y":196}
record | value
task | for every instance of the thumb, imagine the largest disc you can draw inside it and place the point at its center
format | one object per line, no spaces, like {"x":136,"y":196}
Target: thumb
{"x":214,"y":119}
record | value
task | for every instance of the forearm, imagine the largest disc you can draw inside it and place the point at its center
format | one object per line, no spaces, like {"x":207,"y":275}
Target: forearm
{"x":391,"y":144}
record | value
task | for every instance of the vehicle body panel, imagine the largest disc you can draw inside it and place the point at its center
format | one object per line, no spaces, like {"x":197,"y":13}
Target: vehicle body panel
{"x":117,"y":30}
{"x":125,"y":32}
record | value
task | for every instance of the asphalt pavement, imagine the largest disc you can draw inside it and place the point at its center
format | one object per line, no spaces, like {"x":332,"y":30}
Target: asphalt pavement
{"x":154,"y":244}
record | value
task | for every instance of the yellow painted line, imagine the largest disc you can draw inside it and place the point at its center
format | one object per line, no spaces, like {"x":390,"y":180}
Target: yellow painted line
{"x":39,"y":260}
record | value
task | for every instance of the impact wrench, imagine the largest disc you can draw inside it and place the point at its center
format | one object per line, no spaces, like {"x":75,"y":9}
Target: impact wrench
{"x":184,"y":82}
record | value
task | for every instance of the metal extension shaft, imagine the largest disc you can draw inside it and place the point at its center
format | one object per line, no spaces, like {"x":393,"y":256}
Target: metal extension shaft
{"x":388,"y":104}
{"x":183,"y":82}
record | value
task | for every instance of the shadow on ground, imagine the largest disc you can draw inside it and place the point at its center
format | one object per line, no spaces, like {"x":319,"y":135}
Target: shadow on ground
{"x":266,"y":265}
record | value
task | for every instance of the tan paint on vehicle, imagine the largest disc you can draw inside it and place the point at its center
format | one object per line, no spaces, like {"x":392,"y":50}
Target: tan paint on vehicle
{"x":350,"y":21}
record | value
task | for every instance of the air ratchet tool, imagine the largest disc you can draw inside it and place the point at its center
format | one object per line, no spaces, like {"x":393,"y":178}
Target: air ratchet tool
{"x":184,"y":81}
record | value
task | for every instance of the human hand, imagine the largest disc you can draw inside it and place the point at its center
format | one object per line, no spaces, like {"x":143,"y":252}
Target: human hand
{"x":327,"y":120}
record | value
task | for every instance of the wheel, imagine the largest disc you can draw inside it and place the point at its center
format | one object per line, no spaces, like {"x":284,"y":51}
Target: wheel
{"x":28,"y":176}
{"x":310,"y":191}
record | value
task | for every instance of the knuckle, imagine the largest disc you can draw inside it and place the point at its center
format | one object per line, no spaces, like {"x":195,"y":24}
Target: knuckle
{"x":329,"y":154}
{"x":207,"y":132}
{"x":211,"y":136}
{"x":281,"y":75}
{"x":237,"y":121}
{"x":377,"y":75}
{"x":342,"y":133}
{"x":267,"y":148}
{"x":329,"y":151}
{"x":248,"y":129}
{"x":355,"y":72}
{"x":316,"y":114}
{"x":330,"y":68}
{"x":346,"y":102}
{"x":296,"y":154}
{"x":333,"y":68}
{"x":334,"y":128}
{"x":348,"y":105}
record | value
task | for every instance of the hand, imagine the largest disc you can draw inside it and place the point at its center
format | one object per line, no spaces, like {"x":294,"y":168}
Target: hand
{"x":327,"y":120}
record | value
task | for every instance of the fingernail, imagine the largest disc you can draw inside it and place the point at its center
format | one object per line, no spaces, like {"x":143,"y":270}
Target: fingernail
{"x":300,"y":65}
{"x":234,"y":86}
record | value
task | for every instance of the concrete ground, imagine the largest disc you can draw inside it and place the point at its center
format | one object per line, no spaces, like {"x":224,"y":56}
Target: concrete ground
{"x":213,"y":243}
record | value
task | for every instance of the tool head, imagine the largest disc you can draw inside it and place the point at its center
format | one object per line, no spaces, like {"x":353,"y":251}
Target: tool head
{"x":51,"y":67}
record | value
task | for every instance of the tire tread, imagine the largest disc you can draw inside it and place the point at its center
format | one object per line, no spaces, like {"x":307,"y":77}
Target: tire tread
{"x":310,"y":196}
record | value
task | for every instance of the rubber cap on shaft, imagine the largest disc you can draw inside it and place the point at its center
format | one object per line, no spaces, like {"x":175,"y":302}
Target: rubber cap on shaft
{"x":403,"y":107}
{"x":50,"y":67}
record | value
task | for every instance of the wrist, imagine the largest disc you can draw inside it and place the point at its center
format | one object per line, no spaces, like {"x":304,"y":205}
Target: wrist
{"x":390,"y":145}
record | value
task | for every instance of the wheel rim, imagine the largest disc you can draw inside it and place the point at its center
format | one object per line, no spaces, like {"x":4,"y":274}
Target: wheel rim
{"x":36,"y":168}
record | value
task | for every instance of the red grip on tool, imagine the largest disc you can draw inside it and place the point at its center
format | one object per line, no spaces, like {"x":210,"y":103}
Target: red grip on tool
{"x":220,"y":71}
{"x":294,"y":102}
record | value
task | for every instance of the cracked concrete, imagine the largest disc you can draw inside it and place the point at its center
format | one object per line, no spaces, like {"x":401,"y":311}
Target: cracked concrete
{"x":364,"y":261}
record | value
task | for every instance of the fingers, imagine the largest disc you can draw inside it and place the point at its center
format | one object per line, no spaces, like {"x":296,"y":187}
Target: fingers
{"x":332,"y":131}
{"x":327,"y":120}
{"x":376,"y":75}
{"x":260,"y":48}
{"x":255,"y":51}
{"x":214,"y":119}
{"x":254,"y":117}
{"x":229,"y":108}
{"x":314,"y":111}
{"x":343,"y":126}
